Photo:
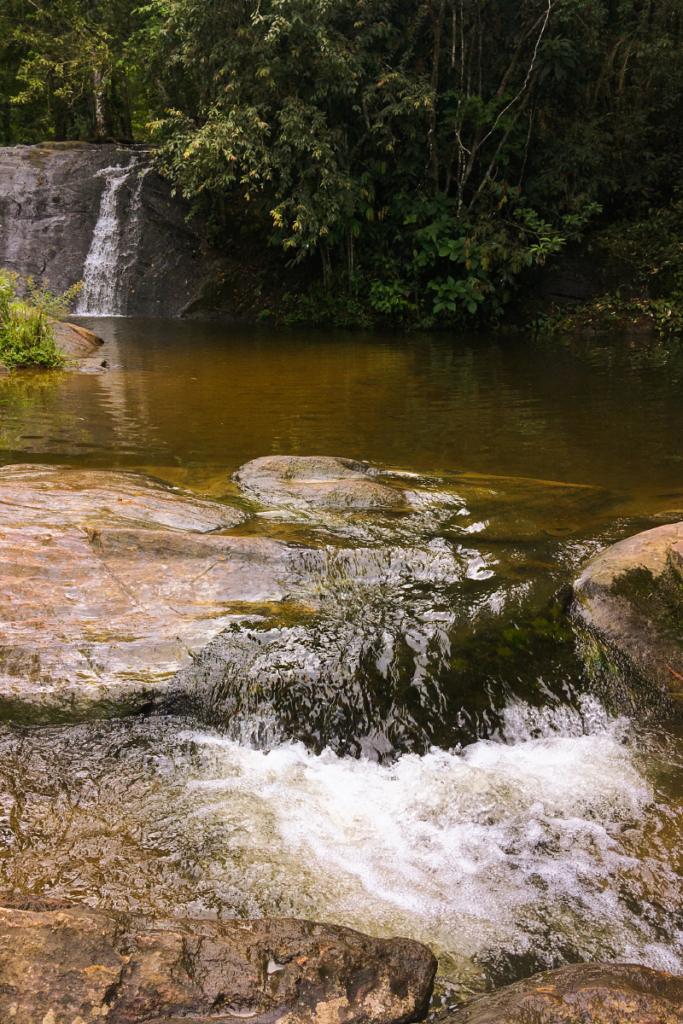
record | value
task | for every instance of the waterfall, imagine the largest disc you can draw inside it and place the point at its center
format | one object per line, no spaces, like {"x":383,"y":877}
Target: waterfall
{"x":114,"y":241}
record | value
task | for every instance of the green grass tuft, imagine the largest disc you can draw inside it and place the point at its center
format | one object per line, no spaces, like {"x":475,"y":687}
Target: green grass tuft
{"x":26,"y":323}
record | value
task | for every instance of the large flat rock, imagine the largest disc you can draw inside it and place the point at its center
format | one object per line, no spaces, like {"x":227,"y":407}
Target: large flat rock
{"x":59,"y":496}
{"x":61,"y":964}
{"x":629,"y":599}
{"x":110,"y":583}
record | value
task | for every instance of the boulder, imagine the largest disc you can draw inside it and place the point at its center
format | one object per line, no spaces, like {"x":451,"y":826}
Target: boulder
{"x":110,"y":583}
{"x":62,"y":965}
{"x":580,"y":994}
{"x":74,"y":341}
{"x":316,"y":482}
{"x":629,"y":603}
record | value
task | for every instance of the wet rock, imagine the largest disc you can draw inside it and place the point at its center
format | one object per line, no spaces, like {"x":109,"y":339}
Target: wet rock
{"x":75,"y":341}
{"x":580,"y":994}
{"x":629,"y":602}
{"x":60,"y":496}
{"x":62,"y":964}
{"x":110,"y":583}
{"x":316,"y":482}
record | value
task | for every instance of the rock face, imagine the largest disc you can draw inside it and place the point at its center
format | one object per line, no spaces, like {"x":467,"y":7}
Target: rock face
{"x":51,"y":200}
{"x":110,"y":582}
{"x":316,"y":482}
{"x":629,"y":600}
{"x":61,"y":965}
{"x":581,"y":994}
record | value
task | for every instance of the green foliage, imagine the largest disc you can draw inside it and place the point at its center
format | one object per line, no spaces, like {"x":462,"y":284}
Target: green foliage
{"x":325,"y":308}
{"x":413,"y":157}
{"x":612,"y":313}
{"x":26,"y":332}
{"x":68,"y":70}
{"x":653,"y":247}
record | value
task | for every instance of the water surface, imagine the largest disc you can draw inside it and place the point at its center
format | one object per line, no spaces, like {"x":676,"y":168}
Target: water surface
{"x":423,"y":751}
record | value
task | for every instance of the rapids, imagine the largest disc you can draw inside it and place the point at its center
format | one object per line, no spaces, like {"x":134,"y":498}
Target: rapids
{"x":410,"y":742}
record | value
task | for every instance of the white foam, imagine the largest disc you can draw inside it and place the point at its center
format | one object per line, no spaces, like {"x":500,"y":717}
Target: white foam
{"x":469,"y":851}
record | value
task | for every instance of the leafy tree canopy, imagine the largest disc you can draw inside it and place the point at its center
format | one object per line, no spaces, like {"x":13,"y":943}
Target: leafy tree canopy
{"x":421,"y":153}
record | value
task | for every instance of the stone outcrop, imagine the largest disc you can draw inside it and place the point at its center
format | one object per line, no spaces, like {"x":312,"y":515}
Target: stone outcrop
{"x":80,"y":346}
{"x":580,"y":994}
{"x":62,"y":965}
{"x":111,"y":582}
{"x":50,"y":197}
{"x":316,"y":482}
{"x":629,"y":602}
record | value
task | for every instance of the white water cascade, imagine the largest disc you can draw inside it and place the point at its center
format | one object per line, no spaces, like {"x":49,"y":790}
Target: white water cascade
{"x":114,"y":242}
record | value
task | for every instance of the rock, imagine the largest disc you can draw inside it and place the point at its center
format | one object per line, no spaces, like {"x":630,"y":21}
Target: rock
{"x":316,"y":481}
{"x":109,"y":583}
{"x":66,"y":964}
{"x":630,"y":603}
{"x":75,"y":341}
{"x":50,"y":203}
{"x":580,"y":994}
{"x":59,"y":496}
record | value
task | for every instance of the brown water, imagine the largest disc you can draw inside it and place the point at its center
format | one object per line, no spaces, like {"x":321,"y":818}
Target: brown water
{"x":425,"y":755}
{"x":214,"y":395}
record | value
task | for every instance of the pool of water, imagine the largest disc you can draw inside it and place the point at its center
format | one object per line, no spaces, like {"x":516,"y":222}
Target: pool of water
{"x":423,"y":754}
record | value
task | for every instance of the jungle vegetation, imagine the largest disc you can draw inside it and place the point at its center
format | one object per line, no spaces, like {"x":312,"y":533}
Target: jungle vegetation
{"x":416,"y":156}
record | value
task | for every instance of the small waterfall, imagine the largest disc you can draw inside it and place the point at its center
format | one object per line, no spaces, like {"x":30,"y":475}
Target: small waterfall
{"x":115,"y":237}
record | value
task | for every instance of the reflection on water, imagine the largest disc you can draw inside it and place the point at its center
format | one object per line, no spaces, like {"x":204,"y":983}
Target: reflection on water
{"x":407,"y":744}
{"x":215,"y":395}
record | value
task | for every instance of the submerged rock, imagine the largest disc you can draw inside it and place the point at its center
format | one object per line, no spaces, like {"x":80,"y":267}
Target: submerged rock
{"x":109,"y":583}
{"x":629,"y":601}
{"x":316,"y":481}
{"x":60,"y":496}
{"x":580,"y":994}
{"x":61,"y":964}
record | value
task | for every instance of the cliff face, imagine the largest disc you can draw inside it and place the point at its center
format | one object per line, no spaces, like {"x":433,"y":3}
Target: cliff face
{"x":77,"y":212}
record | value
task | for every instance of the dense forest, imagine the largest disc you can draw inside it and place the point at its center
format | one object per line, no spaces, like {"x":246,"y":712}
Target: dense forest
{"x":417,"y":157}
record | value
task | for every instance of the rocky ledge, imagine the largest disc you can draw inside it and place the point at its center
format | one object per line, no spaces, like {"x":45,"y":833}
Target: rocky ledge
{"x":69,"y":965}
{"x":580,"y":994}
{"x":629,"y":603}
{"x":109,"y":582}
{"x":112,"y":583}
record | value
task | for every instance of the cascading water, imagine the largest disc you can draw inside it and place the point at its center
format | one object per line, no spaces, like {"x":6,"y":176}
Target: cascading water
{"x":112,"y":250}
{"x":409,"y":743}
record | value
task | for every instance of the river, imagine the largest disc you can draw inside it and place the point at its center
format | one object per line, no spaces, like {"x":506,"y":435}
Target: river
{"x":427,"y":755}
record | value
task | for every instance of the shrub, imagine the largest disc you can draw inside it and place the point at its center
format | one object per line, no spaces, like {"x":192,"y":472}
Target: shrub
{"x":26,"y":323}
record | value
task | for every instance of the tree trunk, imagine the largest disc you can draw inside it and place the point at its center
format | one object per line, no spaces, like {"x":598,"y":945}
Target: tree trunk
{"x":126,"y":117}
{"x":7,"y":122}
{"x":99,"y":82}
{"x":326,"y":262}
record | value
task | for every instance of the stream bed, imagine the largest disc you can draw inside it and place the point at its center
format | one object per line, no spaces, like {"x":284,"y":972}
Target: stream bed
{"x":423,"y":753}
